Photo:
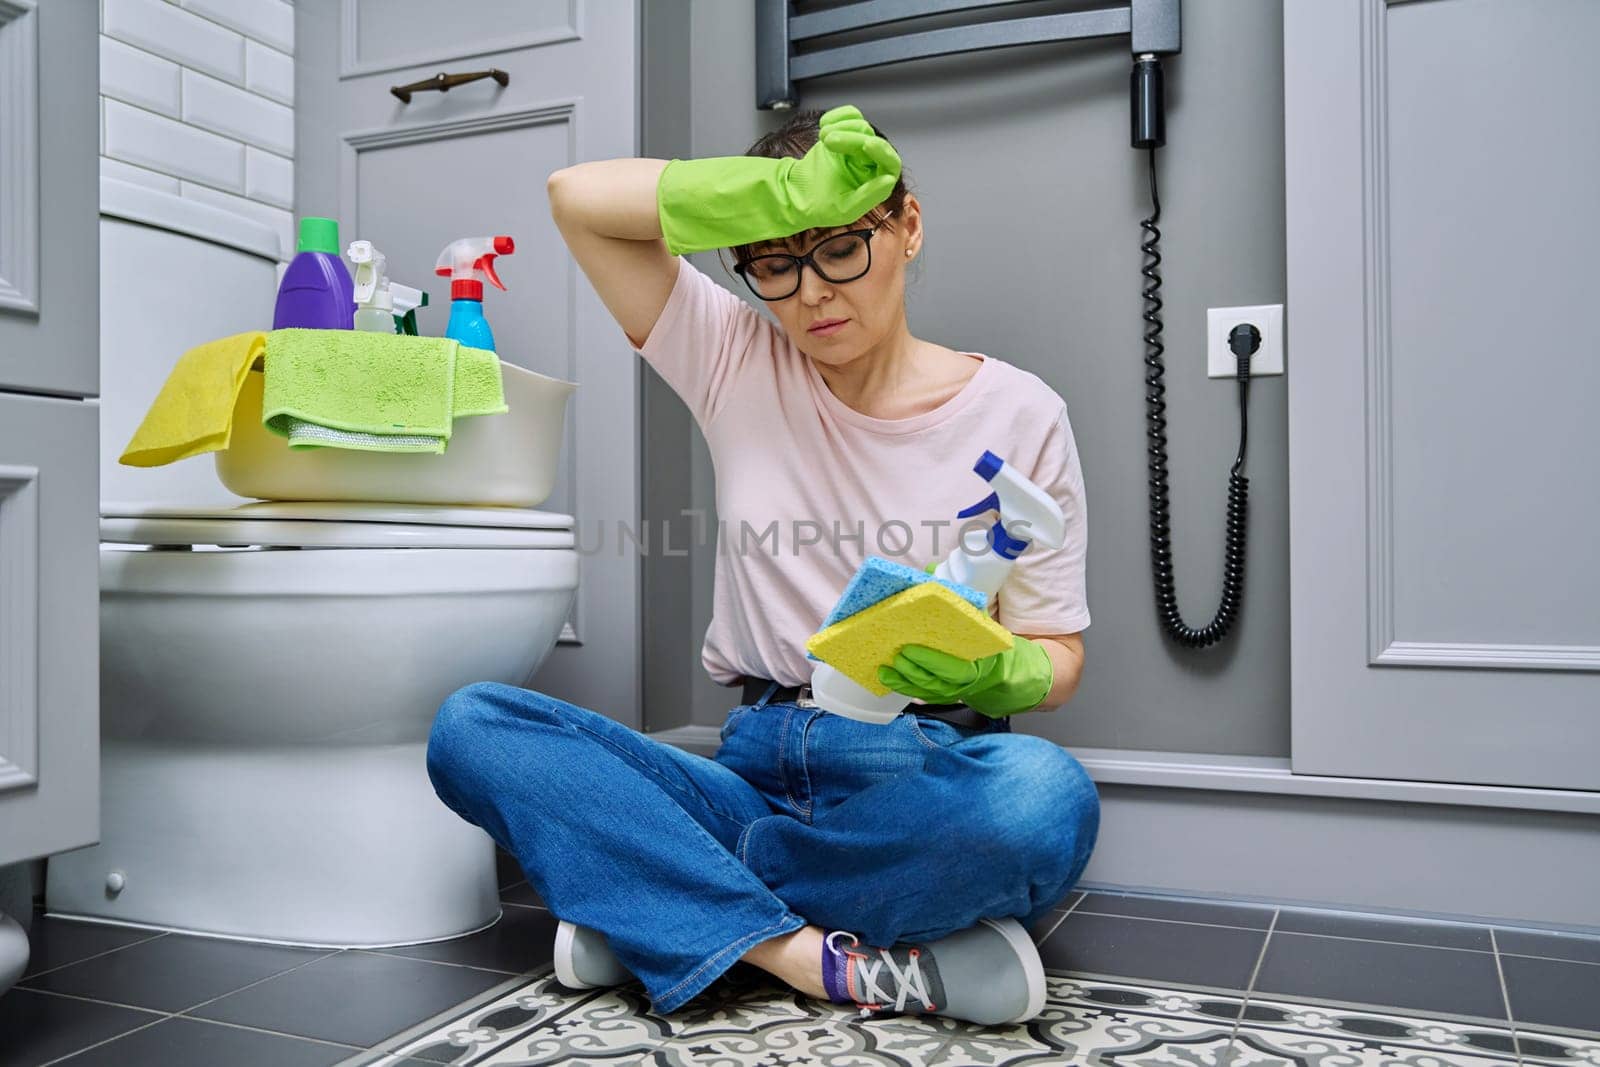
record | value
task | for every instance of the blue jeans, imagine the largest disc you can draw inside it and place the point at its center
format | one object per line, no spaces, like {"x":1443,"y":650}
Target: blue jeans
{"x":908,"y":831}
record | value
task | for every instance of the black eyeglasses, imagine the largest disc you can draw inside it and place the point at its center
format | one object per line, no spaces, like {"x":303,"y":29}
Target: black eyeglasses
{"x":844,"y":257}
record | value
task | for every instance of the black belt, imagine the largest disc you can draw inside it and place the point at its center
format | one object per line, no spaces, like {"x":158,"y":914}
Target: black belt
{"x":955,"y":714}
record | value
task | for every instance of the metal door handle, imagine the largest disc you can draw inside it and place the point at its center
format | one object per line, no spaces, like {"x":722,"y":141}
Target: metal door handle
{"x":445,"y":82}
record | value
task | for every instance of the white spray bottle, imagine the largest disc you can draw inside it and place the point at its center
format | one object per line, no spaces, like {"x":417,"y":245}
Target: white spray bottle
{"x":374,"y":303}
{"x":382,"y":306}
{"x":1027,"y":514}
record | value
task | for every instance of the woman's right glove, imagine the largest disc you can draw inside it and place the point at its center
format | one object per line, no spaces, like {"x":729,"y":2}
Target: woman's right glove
{"x":1015,"y":680}
{"x":737,"y":200}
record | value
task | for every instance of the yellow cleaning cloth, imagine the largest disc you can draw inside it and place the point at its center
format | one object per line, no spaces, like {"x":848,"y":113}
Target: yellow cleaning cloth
{"x":193,"y":413}
{"x":926,"y":614}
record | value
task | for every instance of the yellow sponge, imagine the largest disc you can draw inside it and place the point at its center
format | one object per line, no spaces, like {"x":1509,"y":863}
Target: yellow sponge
{"x":926,"y":614}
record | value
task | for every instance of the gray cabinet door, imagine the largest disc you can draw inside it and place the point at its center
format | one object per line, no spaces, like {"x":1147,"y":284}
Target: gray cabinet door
{"x":1440,"y":163}
{"x":49,"y":198}
{"x":49,"y":499}
{"x":473,"y":162}
{"x":49,"y":626}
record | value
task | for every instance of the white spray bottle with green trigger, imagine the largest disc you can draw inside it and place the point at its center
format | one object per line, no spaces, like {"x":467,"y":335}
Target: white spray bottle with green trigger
{"x":1027,"y":514}
{"x":381,"y":304}
{"x":374,"y":302}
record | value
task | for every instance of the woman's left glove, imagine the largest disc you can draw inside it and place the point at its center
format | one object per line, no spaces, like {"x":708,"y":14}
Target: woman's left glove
{"x":1006,"y":683}
{"x":734,"y":200}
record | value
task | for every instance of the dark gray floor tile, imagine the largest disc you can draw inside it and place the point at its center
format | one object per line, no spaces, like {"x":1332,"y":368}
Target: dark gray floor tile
{"x":1574,"y":947}
{"x":55,"y":943}
{"x":521,"y":893}
{"x":1249,"y":916}
{"x":172,"y":972}
{"x":356,"y":998}
{"x":1553,"y":992}
{"x":1041,"y":929}
{"x":1380,"y":928}
{"x":507,"y":871}
{"x":1447,"y":980}
{"x":1123,"y":947}
{"x":187,"y":1041}
{"x":36,"y":1028}
{"x":523,"y":939}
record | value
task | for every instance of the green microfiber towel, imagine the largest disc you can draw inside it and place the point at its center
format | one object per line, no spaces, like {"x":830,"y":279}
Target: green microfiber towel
{"x":477,"y":384}
{"x":375,"y":392}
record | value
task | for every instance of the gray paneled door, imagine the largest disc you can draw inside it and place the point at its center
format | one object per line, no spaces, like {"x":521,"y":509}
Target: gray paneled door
{"x":1444,"y":499}
{"x":471,"y":162}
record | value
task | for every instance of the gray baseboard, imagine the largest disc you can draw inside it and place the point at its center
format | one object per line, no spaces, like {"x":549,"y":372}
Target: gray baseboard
{"x":1247,"y":828}
{"x":1466,"y":864}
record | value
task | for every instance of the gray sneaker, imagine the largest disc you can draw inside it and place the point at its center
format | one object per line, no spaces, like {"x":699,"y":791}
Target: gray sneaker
{"x":584,"y":959}
{"x":988,"y":974}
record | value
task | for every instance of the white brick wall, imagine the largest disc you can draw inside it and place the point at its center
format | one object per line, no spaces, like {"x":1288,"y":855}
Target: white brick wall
{"x":197,"y":99}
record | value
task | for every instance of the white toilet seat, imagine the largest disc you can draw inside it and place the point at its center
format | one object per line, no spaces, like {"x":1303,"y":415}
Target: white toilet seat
{"x":335,"y":524}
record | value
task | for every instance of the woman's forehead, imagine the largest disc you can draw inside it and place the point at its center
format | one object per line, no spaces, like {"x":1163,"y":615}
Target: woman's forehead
{"x":801,"y":240}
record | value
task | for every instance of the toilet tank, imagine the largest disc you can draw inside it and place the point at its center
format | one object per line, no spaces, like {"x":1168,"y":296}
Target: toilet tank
{"x":174,"y":273}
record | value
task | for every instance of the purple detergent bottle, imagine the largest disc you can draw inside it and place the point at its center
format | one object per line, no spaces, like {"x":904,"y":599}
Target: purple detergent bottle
{"x":316,"y":292}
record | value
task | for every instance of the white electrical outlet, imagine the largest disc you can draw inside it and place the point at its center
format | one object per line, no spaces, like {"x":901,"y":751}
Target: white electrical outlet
{"x":1268,"y":359}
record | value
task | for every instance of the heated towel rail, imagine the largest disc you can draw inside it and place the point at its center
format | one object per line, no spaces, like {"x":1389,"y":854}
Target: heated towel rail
{"x":1154,"y":27}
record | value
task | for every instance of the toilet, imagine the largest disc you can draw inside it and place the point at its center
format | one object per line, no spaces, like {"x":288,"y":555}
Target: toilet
{"x":270,"y":669}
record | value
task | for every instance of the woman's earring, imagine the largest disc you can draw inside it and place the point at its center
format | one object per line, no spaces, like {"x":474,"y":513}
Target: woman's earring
{"x":908,"y":252}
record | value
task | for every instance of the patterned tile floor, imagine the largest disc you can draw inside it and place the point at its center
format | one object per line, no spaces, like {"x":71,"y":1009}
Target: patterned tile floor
{"x":1132,"y":980}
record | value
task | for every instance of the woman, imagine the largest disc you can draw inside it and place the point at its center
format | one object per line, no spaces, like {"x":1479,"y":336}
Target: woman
{"x":885,"y":866}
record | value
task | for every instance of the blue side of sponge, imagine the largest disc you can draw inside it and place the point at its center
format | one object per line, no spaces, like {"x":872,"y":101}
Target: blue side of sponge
{"x":878,"y":579}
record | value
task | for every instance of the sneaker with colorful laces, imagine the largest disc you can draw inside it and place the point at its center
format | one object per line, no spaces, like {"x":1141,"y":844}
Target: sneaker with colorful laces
{"x":988,"y":974}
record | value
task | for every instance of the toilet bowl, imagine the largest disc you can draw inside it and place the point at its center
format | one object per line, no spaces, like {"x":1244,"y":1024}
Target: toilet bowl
{"x":270,"y":670}
{"x":268,"y":678}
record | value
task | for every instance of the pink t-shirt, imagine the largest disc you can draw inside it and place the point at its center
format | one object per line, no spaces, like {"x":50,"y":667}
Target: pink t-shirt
{"x":807,"y":487}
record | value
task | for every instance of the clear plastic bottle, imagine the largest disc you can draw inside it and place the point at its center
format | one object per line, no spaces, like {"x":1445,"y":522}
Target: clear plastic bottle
{"x":374,"y":301}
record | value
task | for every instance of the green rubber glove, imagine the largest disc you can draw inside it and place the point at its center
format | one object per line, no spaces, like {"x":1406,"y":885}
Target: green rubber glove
{"x":737,"y":200}
{"x":1017,"y":679}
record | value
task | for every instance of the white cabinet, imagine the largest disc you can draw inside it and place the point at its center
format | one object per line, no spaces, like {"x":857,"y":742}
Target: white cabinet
{"x":49,"y":198}
{"x":49,"y":636}
{"x":49,"y":626}
{"x":49,"y":429}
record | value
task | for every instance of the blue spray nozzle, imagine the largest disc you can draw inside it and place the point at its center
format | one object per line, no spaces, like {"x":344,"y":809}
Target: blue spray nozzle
{"x":1021,"y":504}
{"x":1004,"y":545}
{"x":988,"y":503}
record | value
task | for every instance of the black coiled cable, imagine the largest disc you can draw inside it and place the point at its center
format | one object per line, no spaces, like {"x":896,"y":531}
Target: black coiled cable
{"x":1238,"y":484}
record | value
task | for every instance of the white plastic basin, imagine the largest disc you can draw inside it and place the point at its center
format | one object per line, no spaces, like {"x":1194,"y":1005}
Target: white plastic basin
{"x":505,"y":460}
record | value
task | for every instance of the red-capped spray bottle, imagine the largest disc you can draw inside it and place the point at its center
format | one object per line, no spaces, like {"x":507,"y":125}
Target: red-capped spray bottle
{"x":468,"y":263}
